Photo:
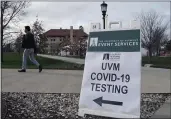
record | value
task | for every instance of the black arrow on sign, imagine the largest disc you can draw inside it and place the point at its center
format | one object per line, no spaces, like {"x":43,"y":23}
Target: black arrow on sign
{"x":100,"y":101}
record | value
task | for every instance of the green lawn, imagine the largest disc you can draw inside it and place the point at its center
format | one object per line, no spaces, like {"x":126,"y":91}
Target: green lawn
{"x":14,"y":60}
{"x":158,"y":62}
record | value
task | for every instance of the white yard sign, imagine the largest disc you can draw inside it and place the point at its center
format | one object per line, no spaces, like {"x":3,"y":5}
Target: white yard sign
{"x":112,"y":75}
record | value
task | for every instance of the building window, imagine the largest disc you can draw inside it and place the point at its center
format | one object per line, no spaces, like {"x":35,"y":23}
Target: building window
{"x":52,"y":39}
{"x":60,"y":38}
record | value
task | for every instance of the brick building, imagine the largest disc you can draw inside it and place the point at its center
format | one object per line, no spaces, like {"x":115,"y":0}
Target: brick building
{"x":60,"y":40}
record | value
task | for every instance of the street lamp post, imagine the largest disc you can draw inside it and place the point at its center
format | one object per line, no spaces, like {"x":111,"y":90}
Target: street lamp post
{"x":104,"y":10}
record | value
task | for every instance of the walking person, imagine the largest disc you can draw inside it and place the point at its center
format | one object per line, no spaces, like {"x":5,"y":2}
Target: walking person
{"x":29,"y":46}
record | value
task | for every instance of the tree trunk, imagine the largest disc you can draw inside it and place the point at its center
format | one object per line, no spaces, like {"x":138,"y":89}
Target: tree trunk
{"x":2,"y":37}
{"x":19,"y":51}
{"x":157,"y":51}
{"x":80,"y":50}
{"x":149,"y":54}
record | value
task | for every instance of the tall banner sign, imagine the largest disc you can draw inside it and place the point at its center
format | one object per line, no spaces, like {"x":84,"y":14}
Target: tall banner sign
{"x":111,"y":85}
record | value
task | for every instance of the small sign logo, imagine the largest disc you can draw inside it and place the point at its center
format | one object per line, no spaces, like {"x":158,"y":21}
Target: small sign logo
{"x":106,"y":56}
{"x":93,"y":42}
{"x":111,"y":56}
{"x":94,"y":26}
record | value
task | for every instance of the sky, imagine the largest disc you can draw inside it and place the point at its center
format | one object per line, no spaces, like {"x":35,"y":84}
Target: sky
{"x":57,"y":15}
{"x":65,"y":14}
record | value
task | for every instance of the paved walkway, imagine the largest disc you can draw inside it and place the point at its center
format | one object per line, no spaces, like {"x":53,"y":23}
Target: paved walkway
{"x":164,"y":111}
{"x":67,"y":81}
{"x":67,"y":59}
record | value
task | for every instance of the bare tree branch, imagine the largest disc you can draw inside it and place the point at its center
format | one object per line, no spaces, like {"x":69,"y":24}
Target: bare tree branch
{"x":12,"y":11}
{"x":153,"y":31}
{"x":38,"y":30}
{"x":7,"y":33}
{"x":79,"y":44}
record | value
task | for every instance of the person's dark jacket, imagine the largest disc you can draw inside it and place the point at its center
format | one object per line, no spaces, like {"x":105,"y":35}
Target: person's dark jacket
{"x":29,"y":41}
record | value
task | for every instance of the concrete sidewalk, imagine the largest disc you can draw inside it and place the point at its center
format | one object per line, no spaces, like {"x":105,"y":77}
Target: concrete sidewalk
{"x":164,"y":111}
{"x":68,"y":81}
{"x":48,"y":81}
{"x":67,"y":59}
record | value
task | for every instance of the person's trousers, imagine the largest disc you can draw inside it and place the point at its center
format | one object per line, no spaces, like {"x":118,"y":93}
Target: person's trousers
{"x":29,"y":53}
